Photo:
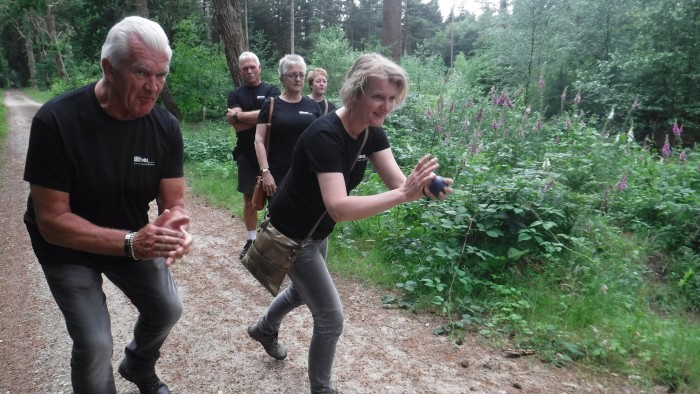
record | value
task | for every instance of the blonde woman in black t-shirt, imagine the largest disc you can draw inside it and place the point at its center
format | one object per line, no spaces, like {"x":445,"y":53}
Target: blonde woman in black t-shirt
{"x":325,"y":167}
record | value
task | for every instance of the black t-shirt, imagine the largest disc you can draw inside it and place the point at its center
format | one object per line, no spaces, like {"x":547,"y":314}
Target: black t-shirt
{"x":250,"y":99}
{"x":325,"y":103}
{"x":111,"y":168}
{"x":324,"y":147}
{"x":289,"y":120}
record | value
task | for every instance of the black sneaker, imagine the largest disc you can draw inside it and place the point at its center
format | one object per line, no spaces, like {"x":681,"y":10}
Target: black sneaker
{"x":149,"y":384}
{"x":272,"y":347}
{"x":245,"y":248}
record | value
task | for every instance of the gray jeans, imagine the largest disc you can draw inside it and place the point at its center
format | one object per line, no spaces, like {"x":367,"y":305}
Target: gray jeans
{"x":311,"y":284}
{"x":78,"y":292}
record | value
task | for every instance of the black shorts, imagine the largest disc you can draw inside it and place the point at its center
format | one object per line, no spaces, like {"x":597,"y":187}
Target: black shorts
{"x":248,"y":170}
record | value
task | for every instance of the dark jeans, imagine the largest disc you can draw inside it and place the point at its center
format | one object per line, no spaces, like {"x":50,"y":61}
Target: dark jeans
{"x":78,"y":292}
{"x":311,"y":285}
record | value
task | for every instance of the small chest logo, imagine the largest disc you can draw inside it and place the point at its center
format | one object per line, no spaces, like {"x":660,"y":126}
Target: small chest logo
{"x":143,"y":161}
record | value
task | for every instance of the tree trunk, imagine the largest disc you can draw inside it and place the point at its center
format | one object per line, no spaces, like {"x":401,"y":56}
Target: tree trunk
{"x":53,"y":39}
{"x":228,"y":17}
{"x":31,"y":61}
{"x":391,"y":27}
{"x":29,"y":48}
{"x":169,"y":101}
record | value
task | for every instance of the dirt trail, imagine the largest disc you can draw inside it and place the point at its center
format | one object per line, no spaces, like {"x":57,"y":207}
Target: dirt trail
{"x":380,"y":351}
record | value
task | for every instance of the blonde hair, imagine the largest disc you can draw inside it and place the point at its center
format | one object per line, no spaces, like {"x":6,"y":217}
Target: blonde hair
{"x":312,"y":75}
{"x":377,"y":66}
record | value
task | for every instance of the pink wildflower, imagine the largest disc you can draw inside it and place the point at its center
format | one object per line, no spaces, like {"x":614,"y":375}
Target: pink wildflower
{"x":666,"y":150}
{"x":479,"y":115}
{"x":540,"y":84}
{"x":452,"y":107}
{"x":428,"y":114}
{"x":677,"y":130}
{"x":508,"y":103}
{"x":568,"y":123}
{"x":500,"y":100}
{"x":622,"y":185}
{"x":682,"y":157}
{"x":635,"y":104}
{"x":577,"y":99}
{"x":474,"y":148}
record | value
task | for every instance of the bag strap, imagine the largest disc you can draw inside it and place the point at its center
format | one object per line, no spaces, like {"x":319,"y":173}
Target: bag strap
{"x":326,"y":110}
{"x":308,"y":237}
{"x":269,"y":126}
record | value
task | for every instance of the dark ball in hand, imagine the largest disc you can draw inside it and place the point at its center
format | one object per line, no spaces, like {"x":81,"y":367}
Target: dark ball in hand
{"x":437,"y":185}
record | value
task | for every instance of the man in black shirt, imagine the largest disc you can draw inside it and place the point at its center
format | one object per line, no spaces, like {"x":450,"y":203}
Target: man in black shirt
{"x":97,"y":157}
{"x":244,"y":104}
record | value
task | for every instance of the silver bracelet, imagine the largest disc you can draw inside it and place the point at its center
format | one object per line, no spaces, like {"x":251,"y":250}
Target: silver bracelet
{"x":130,"y":241}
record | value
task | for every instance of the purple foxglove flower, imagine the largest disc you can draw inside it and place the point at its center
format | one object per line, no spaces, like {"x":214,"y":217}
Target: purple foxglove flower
{"x":452,"y":107}
{"x":622,"y":185}
{"x":568,"y":124}
{"x":540,"y":84}
{"x":494,"y":125}
{"x":479,"y":115}
{"x":549,"y":184}
{"x":438,"y":129}
{"x":428,"y":114}
{"x":666,"y":150}
{"x":474,"y":148}
{"x":577,"y":99}
{"x":635,"y":104}
{"x":682,"y":157}
{"x":509,"y":104}
{"x":677,"y":130}
{"x":538,"y":127}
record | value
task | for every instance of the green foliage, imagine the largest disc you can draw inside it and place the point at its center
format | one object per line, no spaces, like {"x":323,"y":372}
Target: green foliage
{"x":331,"y":51}
{"x":199,"y":77}
{"x":208,"y":142}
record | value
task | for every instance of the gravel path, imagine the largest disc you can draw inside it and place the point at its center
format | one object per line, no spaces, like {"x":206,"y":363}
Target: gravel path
{"x":381,"y":350}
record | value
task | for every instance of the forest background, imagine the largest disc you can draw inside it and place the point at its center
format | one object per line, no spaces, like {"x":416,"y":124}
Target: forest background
{"x":570,"y":129}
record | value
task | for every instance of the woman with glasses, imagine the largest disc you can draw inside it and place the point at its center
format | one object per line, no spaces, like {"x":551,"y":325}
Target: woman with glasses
{"x":291,"y":114}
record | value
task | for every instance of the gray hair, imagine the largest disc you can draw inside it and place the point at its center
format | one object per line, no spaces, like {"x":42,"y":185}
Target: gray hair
{"x":116,"y":46}
{"x":373,"y":65}
{"x":246,"y":56}
{"x":288,"y":61}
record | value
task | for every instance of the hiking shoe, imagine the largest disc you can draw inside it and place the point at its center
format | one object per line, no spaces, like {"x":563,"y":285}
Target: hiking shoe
{"x":147,"y":384}
{"x":269,"y":342}
{"x":245,"y":248}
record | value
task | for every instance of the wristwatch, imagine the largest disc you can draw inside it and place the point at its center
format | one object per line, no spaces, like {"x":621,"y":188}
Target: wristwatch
{"x":264,"y":170}
{"x":235,"y":116}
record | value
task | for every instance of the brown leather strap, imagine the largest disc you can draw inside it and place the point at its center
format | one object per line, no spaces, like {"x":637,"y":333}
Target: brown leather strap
{"x":269,"y":126}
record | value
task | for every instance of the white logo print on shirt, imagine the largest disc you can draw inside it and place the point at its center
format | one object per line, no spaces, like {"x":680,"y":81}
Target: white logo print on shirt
{"x":143,"y":161}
